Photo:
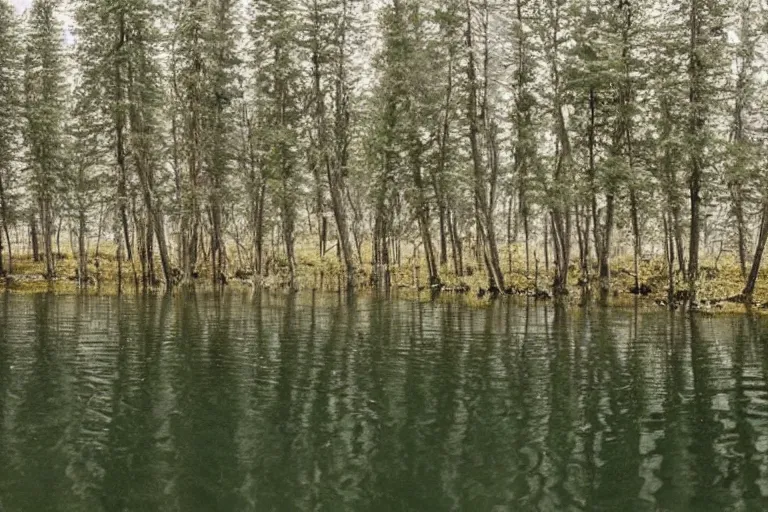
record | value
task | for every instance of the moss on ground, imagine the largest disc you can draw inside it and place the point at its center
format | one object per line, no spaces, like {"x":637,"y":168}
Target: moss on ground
{"x":719,"y":281}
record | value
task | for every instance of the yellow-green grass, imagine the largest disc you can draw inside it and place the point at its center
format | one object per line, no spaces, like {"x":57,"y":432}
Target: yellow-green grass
{"x":409,"y":279}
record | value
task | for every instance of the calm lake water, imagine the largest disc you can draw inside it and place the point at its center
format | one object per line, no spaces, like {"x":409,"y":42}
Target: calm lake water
{"x":263,"y":402}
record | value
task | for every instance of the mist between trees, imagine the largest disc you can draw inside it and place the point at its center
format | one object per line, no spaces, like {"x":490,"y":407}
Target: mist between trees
{"x":198,"y":136}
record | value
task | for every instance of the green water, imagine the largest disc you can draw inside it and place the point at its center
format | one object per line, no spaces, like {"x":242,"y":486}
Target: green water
{"x":259,"y":402}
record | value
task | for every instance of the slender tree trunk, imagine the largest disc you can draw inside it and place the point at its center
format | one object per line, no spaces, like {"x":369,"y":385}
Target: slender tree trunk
{"x":82,"y":256}
{"x":259,"y":231}
{"x":546,"y":243}
{"x":4,"y":220}
{"x":453,"y":233}
{"x":679,"y":247}
{"x":217,"y":243}
{"x":58,"y":253}
{"x":119,"y":126}
{"x":560,"y":212}
{"x":510,"y":205}
{"x":527,"y":234}
{"x":741,"y":230}
{"x":340,"y":215}
{"x":35,"y":239}
{"x":9,"y":265}
{"x":744,"y":79}
{"x":144,"y":173}
{"x":2,"y":265}
{"x":669,"y":250}
{"x":695,"y":75}
{"x":46,"y":223}
{"x":443,"y":236}
{"x":422,"y":213}
{"x":119,"y":256}
{"x":749,"y":287}
{"x":633,"y":212}
{"x":483,"y":199}
{"x":150,"y":253}
{"x":626,"y":100}
{"x":288,"y":216}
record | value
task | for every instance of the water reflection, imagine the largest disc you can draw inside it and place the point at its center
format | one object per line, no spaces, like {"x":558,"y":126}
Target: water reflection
{"x":264,"y":402}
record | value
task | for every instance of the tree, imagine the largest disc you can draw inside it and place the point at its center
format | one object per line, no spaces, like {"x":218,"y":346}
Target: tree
{"x":559,"y":193}
{"x":273,"y":29}
{"x":10,"y":95}
{"x":327,"y":40}
{"x":482,"y":125}
{"x":706,"y":32}
{"x":44,"y":100}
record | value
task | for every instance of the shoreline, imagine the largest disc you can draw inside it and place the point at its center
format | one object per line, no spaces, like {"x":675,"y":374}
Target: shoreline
{"x":409,"y":281}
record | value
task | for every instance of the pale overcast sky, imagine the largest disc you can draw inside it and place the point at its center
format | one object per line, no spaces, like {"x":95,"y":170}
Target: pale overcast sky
{"x":21,"y":4}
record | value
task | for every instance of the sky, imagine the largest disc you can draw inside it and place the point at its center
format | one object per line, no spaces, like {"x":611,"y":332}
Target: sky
{"x":21,"y":4}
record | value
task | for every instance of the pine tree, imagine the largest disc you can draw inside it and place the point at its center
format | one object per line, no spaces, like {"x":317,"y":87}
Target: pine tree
{"x":273,"y":30}
{"x":221,"y":65}
{"x":554,"y":31}
{"x":117,"y":46}
{"x":10,"y":95}
{"x":706,"y":33}
{"x":44,"y":114}
{"x":483,"y":133}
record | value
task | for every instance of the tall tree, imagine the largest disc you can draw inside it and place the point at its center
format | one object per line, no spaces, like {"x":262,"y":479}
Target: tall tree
{"x":221,"y":64}
{"x":482,"y":140}
{"x":706,"y":32}
{"x":273,"y":29}
{"x":44,"y":101}
{"x":329,"y":46}
{"x":554,"y":33}
{"x":10,"y":74}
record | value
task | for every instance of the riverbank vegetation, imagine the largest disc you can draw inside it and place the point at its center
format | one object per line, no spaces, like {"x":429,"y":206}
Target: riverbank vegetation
{"x":528,"y":146}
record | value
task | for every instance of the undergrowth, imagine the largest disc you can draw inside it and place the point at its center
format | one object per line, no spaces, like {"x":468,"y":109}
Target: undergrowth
{"x":720,"y":279}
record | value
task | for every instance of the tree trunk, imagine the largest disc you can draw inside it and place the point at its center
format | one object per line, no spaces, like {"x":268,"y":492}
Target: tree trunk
{"x":288,"y":231}
{"x":119,"y":120}
{"x":546,"y":243}
{"x":741,"y":230}
{"x":456,"y":253}
{"x":217,"y":243}
{"x":144,"y":173}
{"x":2,"y":265}
{"x":46,"y":223}
{"x":510,"y":205}
{"x":560,"y":211}
{"x":150,"y":253}
{"x":380,"y":243}
{"x":678,"y":231}
{"x":119,"y":256}
{"x":483,"y":199}
{"x":443,"y":237}
{"x":635,"y":234}
{"x":4,"y":219}
{"x":336,"y":172}
{"x":9,"y":265}
{"x":696,"y":124}
{"x":258,"y":240}
{"x":35,"y":240}
{"x":82,"y":253}
{"x":669,"y":250}
{"x":749,"y":287}
{"x":335,"y":184}
{"x":422,"y":213}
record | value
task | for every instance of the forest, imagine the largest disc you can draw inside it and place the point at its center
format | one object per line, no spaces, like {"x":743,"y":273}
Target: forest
{"x":200,"y":140}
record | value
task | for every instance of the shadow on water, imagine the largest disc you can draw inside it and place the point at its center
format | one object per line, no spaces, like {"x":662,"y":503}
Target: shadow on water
{"x":256,"y":401}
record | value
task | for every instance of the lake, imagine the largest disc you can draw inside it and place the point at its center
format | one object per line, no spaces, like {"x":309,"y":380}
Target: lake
{"x":251,"y":401}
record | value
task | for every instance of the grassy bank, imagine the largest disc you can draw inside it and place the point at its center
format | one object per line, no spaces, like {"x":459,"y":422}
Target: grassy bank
{"x":720,"y":280}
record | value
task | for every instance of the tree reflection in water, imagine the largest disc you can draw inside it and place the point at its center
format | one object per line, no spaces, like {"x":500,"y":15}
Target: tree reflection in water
{"x":251,"y":401}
